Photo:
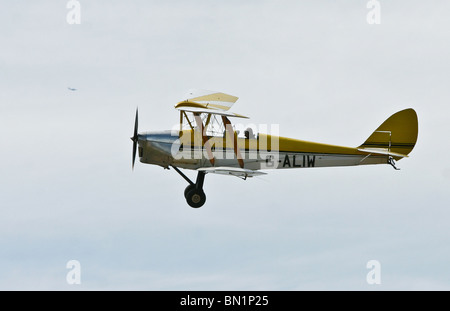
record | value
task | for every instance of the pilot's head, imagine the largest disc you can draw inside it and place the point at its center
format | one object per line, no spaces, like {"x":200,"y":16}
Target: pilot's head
{"x":248,"y":132}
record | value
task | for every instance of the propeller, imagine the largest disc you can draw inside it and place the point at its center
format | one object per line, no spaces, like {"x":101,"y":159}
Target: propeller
{"x":135,"y":138}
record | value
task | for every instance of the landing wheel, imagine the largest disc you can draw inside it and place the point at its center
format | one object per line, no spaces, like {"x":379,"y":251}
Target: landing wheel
{"x":196,"y":198}
{"x":193,"y":193}
{"x":188,"y":188}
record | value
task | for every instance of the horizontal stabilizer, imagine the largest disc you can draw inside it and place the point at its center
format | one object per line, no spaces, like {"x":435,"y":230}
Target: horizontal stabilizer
{"x":233,"y":171}
{"x":383,"y":152}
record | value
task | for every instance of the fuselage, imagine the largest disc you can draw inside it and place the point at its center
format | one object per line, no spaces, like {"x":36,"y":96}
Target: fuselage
{"x":186,"y":149}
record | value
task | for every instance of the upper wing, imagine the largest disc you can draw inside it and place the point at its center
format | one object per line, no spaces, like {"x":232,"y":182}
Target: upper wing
{"x":233,"y":171}
{"x":204,"y":101}
{"x":212,"y":111}
{"x":210,"y":99}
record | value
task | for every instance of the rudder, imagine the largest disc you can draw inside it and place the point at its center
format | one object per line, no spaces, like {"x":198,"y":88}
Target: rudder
{"x":397,"y":134}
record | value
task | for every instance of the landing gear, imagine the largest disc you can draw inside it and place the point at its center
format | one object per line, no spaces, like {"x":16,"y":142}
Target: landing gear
{"x":392,"y":162}
{"x":194,"y":194}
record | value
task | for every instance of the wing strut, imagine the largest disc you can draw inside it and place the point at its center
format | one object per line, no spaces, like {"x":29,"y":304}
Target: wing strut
{"x":205,"y":138}
{"x":233,"y":136}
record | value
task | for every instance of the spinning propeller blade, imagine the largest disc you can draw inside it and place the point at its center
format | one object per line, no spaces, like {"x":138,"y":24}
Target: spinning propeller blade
{"x":135,"y":139}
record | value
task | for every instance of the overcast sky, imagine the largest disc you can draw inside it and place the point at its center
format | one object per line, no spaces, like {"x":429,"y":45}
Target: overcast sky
{"x":316,"y":68}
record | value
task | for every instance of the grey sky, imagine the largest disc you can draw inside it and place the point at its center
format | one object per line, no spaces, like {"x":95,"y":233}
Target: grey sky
{"x":316,"y":68}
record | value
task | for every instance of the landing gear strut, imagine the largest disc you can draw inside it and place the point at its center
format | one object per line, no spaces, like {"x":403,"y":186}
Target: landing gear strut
{"x":194,"y":194}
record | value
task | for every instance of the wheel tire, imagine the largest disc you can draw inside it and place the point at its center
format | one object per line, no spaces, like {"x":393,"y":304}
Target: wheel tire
{"x":188,"y":188}
{"x":196,"y":198}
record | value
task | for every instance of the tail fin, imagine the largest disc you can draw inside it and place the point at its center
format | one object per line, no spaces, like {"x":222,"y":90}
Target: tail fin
{"x":397,"y":135}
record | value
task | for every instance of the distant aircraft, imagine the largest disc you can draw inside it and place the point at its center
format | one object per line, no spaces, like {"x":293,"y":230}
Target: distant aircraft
{"x":207,"y":143}
{"x":71,"y":89}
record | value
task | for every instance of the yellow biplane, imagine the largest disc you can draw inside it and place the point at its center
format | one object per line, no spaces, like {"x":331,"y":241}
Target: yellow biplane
{"x":206,"y":141}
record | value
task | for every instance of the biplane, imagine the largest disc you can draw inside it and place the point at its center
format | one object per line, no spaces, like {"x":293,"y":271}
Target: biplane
{"x":206,"y":141}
